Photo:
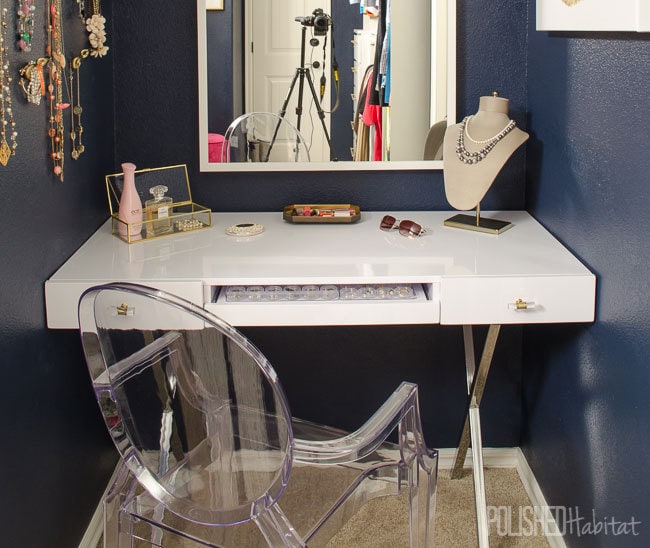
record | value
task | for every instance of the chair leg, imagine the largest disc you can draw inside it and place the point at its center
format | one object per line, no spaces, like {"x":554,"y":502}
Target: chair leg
{"x":430,"y":490}
{"x":117,"y":526}
{"x":421,"y":471}
{"x":414,"y":505}
{"x":276,"y":528}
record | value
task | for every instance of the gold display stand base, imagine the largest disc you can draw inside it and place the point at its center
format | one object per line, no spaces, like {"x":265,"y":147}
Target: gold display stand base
{"x":478,"y":224}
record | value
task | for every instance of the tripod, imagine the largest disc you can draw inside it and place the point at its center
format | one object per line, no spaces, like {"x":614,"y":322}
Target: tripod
{"x":301,"y":73}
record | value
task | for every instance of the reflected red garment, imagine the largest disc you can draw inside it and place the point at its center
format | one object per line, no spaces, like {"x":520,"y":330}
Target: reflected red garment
{"x":372,"y":117}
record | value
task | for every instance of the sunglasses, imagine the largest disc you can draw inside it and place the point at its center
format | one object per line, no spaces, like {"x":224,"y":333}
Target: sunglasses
{"x":406,"y":228}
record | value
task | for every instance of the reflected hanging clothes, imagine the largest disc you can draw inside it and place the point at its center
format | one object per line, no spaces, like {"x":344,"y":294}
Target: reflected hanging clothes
{"x":376,"y":97}
{"x":361,"y":131}
{"x":372,"y":118}
{"x":367,"y":123}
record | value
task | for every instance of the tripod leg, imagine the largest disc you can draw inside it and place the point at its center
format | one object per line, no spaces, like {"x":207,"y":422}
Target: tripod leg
{"x":283,"y":111}
{"x":321,"y":115}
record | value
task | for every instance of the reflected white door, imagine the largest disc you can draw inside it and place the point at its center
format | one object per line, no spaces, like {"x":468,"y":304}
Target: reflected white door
{"x":273,"y":39}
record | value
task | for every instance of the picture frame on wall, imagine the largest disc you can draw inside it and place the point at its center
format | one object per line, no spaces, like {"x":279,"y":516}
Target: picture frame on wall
{"x":214,"y":4}
{"x":593,"y":15}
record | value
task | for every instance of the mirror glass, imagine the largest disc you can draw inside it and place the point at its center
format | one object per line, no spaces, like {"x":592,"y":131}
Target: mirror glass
{"x":313,"y":63}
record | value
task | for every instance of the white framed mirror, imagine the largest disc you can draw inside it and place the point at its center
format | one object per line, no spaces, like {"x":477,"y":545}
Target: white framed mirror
{"x":422,"y":78}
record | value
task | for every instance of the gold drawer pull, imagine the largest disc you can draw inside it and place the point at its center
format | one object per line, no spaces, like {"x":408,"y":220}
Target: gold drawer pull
{"x":125,"y":310}
{"x":520,"y":304}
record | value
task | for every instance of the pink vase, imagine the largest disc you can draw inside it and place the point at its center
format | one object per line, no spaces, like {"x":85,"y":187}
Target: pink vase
{"x":130,"y":210}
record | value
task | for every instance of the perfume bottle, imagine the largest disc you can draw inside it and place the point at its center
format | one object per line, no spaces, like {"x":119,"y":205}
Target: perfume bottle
{"x":130,"y":208}
{"x":158,"y":211}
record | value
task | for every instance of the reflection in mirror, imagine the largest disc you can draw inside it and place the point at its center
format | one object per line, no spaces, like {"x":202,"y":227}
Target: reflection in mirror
{"x":281,"y":58}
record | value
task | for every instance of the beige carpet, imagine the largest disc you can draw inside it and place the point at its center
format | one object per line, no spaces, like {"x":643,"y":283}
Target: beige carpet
{"x":382,"y":523}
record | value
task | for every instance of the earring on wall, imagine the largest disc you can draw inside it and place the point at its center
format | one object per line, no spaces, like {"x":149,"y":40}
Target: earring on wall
{"x":7,"y":122}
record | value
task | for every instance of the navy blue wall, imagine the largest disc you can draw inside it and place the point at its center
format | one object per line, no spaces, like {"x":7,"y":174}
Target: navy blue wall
{"x":219,"y":25}
{"x":56,"y":456}
{"x":587,"y":392}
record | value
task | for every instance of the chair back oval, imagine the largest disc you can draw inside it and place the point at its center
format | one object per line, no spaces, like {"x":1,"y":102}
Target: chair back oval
{"x":194,"y":409}
{"x":263,"y":137}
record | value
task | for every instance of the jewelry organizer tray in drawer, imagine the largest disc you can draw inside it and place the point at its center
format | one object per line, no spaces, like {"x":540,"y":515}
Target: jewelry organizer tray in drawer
{"x":325,"y":304}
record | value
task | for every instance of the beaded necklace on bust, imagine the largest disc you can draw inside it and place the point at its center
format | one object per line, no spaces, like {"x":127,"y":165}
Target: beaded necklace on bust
{"x":468,"y":157}
{"x":6,"y":113}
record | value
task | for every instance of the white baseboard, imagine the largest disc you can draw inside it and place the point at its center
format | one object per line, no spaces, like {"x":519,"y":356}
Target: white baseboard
{"x":537,"y":498}
{"x":499,"y":457}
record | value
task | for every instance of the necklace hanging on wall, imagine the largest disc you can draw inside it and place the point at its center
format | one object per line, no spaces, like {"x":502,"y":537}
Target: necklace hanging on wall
{"x":81,"y":5}
{"x":96,"y":27}
{"x":25,"y":15}
{"x":76,"y":129}
{"x":468,"y":157}
{"x":55,"y":51}
{"x":6,"y":112}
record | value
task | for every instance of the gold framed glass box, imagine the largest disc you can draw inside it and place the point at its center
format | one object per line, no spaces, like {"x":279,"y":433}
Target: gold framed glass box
{"x":167,"y":206}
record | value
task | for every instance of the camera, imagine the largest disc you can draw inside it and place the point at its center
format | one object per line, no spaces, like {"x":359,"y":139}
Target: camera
{"x":318,"y":19}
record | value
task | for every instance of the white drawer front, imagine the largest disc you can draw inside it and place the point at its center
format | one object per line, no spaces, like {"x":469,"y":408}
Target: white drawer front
{"x":547,"y":299}
{"x":61,"y":299}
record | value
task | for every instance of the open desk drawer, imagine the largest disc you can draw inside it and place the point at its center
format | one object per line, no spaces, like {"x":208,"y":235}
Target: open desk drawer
{"x":423,"y":308}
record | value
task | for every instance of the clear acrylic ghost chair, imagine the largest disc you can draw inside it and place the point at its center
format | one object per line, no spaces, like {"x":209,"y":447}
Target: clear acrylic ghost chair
{"x":208,"y":447}
{"x":263,"y":137}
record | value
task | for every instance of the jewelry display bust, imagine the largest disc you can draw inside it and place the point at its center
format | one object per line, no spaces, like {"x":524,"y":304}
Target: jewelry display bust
{"x":475,"y":150}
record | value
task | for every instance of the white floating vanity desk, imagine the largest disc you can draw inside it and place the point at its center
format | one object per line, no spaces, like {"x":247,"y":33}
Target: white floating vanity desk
{"x":522,"y":276}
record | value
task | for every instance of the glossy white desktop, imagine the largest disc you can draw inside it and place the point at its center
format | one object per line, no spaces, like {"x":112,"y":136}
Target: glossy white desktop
{"x":522,"y":276}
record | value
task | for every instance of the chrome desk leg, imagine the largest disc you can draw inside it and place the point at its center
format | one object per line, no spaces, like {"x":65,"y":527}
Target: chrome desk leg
{"x":472,"y":427}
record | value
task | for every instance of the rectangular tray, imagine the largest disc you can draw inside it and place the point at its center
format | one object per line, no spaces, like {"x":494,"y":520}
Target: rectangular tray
{"x":289,"y":216}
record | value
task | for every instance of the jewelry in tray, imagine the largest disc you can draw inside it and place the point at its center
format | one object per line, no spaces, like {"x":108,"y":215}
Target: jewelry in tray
{"x":468,"y":157}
